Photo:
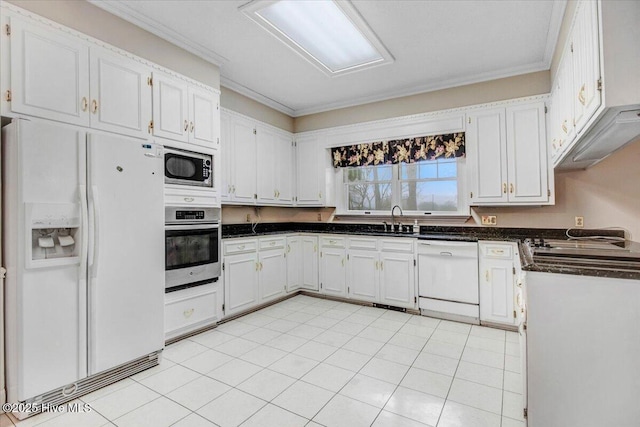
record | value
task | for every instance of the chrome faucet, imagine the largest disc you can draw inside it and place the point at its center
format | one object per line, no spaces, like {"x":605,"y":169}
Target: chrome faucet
{"x":393,"y":217}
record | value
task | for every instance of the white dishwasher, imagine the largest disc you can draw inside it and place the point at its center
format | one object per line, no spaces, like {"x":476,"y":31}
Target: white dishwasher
{"x":448,"y":280}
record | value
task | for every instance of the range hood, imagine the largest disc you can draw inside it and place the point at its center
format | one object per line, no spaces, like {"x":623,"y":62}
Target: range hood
{"x":614,"y":129}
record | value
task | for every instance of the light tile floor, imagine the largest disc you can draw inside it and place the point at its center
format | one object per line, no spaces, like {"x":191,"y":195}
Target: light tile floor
{"x":314,"y":362}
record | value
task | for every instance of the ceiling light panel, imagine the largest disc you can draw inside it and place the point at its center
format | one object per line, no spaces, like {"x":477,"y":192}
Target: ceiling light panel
{"x":329,"y":34}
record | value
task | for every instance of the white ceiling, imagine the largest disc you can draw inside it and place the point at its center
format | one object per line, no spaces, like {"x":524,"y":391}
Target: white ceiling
{"x":436,"y":44}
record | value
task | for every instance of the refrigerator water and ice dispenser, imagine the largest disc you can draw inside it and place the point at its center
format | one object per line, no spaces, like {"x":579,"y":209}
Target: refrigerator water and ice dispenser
{"x":55,"y":234}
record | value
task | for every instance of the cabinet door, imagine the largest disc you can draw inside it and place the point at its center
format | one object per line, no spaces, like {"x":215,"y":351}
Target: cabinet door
{"x":309,"y":172}
{"x":309,"y":262}
{"x":284,"y":170}
{"x":332,"y":271}
{"x":241,"y":290}
{"x":49,"y":74}
{"x":226,"y":155}
{"x":203,"y":108}
{"x":273,"y":274}
{"x":487,"y":148}
{"x":294,"y":263}
{"x":243,"y":165}
{"x":120,"y":94}
{"x":586,"y":63}
{"x":363,"y":275}
{"x":566,"y":122}
{"x":527,"y":153}
{"x":397,"y":280}
{"x":266,"y":145}
{"x":496,"y":291}
{"x":170,"y":108}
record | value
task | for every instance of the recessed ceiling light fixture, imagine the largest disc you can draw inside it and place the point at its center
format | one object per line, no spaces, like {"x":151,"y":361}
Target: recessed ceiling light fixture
{"x":330,"y":34}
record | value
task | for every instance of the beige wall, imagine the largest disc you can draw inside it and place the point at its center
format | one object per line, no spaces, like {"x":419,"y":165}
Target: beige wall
{"x":238,"y":214}
{"x":477,"y":93}
{"x":247,"y":106}
{"x":89,"y":19}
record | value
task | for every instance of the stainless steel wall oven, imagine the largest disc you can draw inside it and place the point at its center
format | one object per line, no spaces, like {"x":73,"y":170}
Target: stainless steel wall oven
{"x":192,"y":246}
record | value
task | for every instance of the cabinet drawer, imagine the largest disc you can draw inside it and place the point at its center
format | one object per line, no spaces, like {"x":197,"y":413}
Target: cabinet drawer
{"x":191,"y":199}
{"x":363,"y":243}
{"x":239,"y":246}
{"x":332,"y":242}
{"x":191,"y":308}
{"x":272,"y":243}
{"x":397,"y":245}
{"x":496,"y":250}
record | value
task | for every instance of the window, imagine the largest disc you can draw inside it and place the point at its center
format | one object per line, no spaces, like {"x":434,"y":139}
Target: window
{"x":430,"y":187}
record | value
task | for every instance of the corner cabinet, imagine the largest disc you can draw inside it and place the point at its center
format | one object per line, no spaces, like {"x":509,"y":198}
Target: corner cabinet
{"x":302,"y":262}
{"x":497,"y":271}
{"x":258,"y":162}
{"x":507,"y":148}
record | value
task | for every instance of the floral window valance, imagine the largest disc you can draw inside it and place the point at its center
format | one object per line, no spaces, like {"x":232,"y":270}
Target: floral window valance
{"x":408,"y":150}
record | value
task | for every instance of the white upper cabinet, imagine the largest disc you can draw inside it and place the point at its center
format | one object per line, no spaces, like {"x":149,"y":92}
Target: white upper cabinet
{"x":309,"y":172}
{"x":49,"y":74}
{"x":120,"y":94}
{"x":226,"y":157}
{"x":527,"y":154}
{"x":274,"y":166}
{"x":487,"y":149}
{"x":170,"y":107}
{"x":183,"y":112}
{"x":507,"y":148}
{"x":243,"y":161}
{"x":586,"y":63}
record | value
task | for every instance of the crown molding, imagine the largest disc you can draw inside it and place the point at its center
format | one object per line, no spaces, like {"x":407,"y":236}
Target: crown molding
{"x":250,"y":93}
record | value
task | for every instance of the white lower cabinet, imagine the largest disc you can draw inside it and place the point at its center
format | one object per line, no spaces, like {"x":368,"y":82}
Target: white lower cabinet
{"x":397,"y":279}
{"x":241,"y":291}
{"x":272,"y":271}
{"x":302,"y":262}
{"x":497,"y":267}
{"x":294,"y":258}
{"x":189,"y":309}
{"x":309,"y":262}
{"x":333,"y":257}
{"x":362,"y":274}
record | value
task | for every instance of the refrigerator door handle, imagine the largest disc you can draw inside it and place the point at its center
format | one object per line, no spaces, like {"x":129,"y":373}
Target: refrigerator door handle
{"x":95,"y":232}
{"x":84,"y":212}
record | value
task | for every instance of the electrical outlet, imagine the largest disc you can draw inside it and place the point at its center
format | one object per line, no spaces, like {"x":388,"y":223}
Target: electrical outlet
{"x":319,"y":217}
{"x":580,"y":221}
{"x":489,"y":220}
{"x":248,"y":217}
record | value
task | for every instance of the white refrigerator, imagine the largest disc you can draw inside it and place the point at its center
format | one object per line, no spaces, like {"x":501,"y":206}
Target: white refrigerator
{"x":83,"y":243}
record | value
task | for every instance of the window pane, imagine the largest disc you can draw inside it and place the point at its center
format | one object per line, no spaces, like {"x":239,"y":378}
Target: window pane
{"x":448,"y":169}
{"x":365,"y":197}
{"x":368,"y":173}
{"x":430,"y":195}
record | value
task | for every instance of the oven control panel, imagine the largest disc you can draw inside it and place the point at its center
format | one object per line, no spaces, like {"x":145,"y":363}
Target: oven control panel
{"x":186,"y":215}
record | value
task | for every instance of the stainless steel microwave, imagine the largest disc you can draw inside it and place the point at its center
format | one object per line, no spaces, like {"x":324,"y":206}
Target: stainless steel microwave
{"x":187,"y":168}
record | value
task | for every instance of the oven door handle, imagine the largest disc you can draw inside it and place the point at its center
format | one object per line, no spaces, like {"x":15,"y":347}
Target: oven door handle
{"x":181,"y":227}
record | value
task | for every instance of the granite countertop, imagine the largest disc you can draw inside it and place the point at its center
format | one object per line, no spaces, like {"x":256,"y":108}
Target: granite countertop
{"x":597,"y":270}
{"x":451,"y":233}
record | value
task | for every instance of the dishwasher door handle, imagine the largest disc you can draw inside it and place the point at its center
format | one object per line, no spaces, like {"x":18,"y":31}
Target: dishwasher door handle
{"x":446,"y":254}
